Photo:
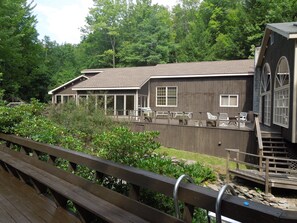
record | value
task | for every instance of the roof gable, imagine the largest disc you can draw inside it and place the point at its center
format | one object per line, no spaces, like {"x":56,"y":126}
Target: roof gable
{"x":288,"y":30}
{"x":68,"y":83}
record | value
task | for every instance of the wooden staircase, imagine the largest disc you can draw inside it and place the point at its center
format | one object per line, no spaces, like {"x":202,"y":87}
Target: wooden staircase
{"x":274,"y":146}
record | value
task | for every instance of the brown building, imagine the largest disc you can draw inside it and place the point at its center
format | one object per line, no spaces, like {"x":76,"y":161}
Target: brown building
{"x":218,"y":86}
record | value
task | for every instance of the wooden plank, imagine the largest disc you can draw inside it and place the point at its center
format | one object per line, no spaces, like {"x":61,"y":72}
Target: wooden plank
{"x":96,"y":205}
{"x":24,"y":205}
{"x":133,"y":206}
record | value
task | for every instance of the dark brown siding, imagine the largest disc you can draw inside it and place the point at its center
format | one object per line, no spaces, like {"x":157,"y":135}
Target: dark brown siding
{"x":203,"y":94}
{"x":281,"y":47}
{"x":210,"y":141}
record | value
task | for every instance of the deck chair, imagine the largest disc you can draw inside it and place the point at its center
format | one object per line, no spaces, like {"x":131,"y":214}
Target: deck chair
{"x":242,"y":118}
{"x":211,"y":120}
{"x":211,"y":116}
{"x":223,"y":119}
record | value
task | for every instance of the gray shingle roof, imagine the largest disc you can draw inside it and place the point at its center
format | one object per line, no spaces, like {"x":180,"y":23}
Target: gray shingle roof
{"x":287,"y":29}
{"x":135,"y":77}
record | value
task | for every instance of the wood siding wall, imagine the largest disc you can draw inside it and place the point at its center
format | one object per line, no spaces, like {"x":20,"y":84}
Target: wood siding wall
{"x":205,"y":140}
{"x":203,"y":94}
{"x":68,"y":88}
{"x":281,"y":47}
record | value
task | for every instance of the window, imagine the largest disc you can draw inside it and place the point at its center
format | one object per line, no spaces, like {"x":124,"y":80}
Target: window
{"x":265,"y":105}
{"x":166,"y":96}
{"x":228,"y":100}
{"x":281,"y":94}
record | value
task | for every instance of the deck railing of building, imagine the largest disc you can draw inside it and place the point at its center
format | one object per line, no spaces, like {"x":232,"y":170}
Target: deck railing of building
{"x":182,"y":117}
{"x":260,"y":142}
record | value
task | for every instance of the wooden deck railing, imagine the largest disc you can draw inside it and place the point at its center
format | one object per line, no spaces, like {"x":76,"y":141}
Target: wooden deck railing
{"x":33,"y":153}
{"x":262,"y":173}
{"x":171,"y":117}
{"x":260,"y":142}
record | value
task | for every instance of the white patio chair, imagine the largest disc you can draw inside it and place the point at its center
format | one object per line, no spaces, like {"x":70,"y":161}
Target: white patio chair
{"x":223,"y":119}
{"x":211,"y":116}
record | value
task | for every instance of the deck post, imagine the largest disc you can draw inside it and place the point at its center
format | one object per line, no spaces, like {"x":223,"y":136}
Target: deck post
{"x":168,"y":117}
{"x":267,"y":188}
{"x":227,"y":167}
{"x":238,"y":120}
{"x":237,"y":160}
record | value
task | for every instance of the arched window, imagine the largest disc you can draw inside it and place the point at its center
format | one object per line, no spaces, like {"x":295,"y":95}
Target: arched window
{"x":282,"y":93}
{"x":266,"y":95}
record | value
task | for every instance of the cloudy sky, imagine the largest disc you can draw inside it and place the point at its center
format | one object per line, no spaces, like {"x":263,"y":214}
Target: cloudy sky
{"x":61,"y":19}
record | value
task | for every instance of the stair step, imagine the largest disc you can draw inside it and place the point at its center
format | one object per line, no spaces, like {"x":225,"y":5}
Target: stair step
{"x":273,"y":142}
{"x":276,"y":148}
{"x":271,"y":137}
{"x":276,"y":152}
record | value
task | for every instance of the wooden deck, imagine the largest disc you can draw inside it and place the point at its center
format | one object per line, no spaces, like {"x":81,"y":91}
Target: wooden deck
{"x":270,"y":177}
{"x":277,"y":180}
{"x":19,"y":203}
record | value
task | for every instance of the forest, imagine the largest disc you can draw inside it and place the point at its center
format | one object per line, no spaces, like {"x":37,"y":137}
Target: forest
{"x":121,"y":33}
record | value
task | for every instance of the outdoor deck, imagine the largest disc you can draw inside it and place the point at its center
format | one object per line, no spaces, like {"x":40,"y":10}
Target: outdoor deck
{"x":20,"y":203}
{"x":265,"y":174}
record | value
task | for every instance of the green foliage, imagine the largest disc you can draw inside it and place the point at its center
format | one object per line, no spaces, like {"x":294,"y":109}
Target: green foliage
{"x":118,"y":144}
{"x":124,"y":146}
{"x":85,"y":118}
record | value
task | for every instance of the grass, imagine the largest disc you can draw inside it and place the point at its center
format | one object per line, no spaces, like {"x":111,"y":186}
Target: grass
{"x":215,"y":163}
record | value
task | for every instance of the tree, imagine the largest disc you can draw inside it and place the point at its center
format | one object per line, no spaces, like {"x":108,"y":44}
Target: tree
{"x":261,"y":12}
{"x":146,"y":35}
{"x":106,"y":17}
{"x":20,"y":52}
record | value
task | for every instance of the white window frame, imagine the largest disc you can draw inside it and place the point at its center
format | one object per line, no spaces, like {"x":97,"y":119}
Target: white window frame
{"x":166,"y":96}
{"x":281,"y":105}
{"x":229,"y":104}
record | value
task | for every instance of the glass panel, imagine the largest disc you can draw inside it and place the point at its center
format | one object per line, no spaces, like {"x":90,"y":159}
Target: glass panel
{"x":171,"y":92}
{"x":120,"y":104}
{"x":100,"y":102}
{"x":233,"y":101}
{"x":161,"y":91}
{"x":129,"y":103}
{"x":161,"y":101}
{"x":82,"y":100}
{"x":58,"y":99}
{"x":172,"y":101}
{"x":224,"y":100}
{"x":110,"y":105}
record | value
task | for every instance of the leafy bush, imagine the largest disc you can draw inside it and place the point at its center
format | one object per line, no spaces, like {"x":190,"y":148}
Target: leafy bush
{"x":121,"y":145}
{"x":12,"y":116}
{"x":88,"y":121}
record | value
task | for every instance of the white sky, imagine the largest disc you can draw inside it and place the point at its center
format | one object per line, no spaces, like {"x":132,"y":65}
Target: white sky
{"x":61,"y":20}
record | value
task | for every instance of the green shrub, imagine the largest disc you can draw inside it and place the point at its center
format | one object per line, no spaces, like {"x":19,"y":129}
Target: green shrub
{"x":79,"y":117}
{"x":121,"y":145}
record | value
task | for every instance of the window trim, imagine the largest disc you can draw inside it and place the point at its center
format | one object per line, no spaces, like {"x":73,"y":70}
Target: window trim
{"x":229,"y":105}
{"x":166,"y":96}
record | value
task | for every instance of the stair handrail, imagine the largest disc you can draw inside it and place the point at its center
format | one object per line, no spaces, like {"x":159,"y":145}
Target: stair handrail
{"x":260,"y":142}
